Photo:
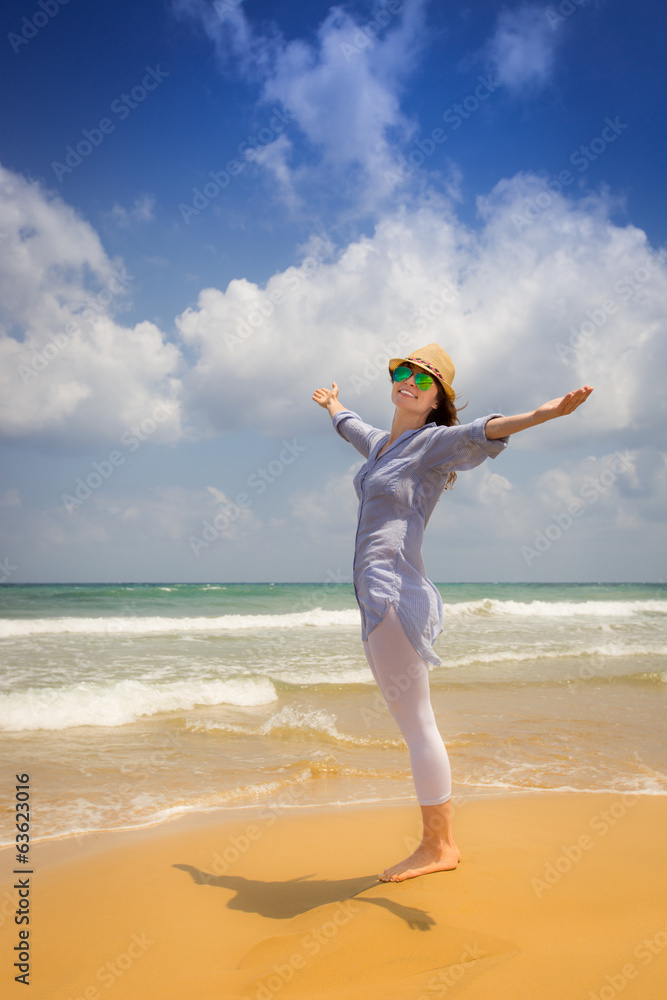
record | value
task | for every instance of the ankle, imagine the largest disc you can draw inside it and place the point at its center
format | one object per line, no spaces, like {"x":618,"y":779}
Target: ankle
{"x":438,"y":840}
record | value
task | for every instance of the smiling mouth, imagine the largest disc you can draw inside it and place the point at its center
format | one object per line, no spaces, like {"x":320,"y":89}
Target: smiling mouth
{"x":404,"y":392}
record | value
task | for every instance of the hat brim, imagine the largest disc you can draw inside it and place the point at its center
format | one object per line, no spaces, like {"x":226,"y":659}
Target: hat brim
{"x":395,"y":362}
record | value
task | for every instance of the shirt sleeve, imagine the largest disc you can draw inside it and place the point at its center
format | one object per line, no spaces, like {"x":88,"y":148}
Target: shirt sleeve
{"x":462,"y":446}
{"x":352,"y":428}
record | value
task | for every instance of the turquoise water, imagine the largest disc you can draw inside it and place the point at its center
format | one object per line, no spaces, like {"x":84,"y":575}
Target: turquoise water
{"x":130,"y":703}
{"x":183,"y":599}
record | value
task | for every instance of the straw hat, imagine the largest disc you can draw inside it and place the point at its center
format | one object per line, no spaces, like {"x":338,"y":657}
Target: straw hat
{"x":435,"y":361}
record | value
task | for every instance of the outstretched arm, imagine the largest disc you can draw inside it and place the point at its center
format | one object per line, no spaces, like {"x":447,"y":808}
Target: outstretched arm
{"x":499,"y":427}
{"x":328,"y":398}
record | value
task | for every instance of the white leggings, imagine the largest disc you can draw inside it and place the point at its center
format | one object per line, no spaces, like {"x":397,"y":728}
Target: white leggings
{"x":402,"y":677}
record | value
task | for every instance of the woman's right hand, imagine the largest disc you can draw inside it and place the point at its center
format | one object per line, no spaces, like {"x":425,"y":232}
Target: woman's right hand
{"x":328,"y":398}
{"x":325,"y":397}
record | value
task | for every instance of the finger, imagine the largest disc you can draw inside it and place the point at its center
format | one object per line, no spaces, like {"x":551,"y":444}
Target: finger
{"x":578,"y":397}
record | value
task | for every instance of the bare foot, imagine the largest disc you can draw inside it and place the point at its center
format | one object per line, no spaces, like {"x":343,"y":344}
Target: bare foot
{"x":426,"y":859}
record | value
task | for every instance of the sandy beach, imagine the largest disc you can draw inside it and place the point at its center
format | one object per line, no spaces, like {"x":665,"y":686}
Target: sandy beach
{"x":557,"y":896}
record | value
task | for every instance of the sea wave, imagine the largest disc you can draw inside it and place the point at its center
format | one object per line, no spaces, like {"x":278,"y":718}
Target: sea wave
{"x":311,"y":677}
{"x":318,"y":618}
{"x":604,"y":649}
{"x":292,"y":721}
{"x":293,"y":790}
{"x":117,"y":704}
{"x":138,"y":625}
{"x":556,"y":609}
{"x":619,"y":786}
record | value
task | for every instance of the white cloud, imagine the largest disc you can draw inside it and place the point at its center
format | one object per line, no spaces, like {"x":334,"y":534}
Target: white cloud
{"x":343,"y":91}
{"x":494,"y":489}
{"x":115,"y":518}
{"x":142,"y":210}
{"x":275,"y":159}
{"x":125,"y":531}
{"x":330,"y":510}
{"x":234,"y":38}
{"x":345,"y":98}
{"x":594,"y":518}
{"x":498,"y":522}
{"x":70,"y":371}
{"x":228,"y":519}
{"x":522,"y":50}
{"x":508,"y":302}
{"x":547,"y":294}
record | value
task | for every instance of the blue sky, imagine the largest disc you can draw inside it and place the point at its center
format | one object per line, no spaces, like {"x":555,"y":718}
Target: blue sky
{"x":209,"y":210}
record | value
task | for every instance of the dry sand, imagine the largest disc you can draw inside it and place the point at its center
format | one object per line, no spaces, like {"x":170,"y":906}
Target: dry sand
{"x":557,"y":897}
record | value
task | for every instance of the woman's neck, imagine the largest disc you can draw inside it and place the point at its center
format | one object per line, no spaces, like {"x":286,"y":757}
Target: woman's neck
{"x":403,"y":422}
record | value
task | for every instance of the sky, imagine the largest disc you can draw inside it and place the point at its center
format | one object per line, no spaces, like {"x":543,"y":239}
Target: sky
{"x":209,"y":210}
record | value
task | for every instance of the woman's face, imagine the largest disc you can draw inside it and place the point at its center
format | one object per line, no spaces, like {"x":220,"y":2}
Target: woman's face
{"x":406,"y":396}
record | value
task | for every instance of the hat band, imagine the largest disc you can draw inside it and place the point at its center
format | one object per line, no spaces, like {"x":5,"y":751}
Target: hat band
{"x":425,"y":364}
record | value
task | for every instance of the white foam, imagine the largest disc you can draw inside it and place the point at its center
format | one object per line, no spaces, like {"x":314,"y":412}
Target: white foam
{"x":137,"y":625}
{"x":293,"y":719}
{"x":628,"y":786}
{"x":309,"y":677}
{"x":556,"y":609}
{"x":316,"y":618}
{"x":551,"y":653}
{"x":89,"y":704}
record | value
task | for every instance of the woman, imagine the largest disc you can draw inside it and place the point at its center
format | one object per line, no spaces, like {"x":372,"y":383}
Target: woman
{"x":401,"y":611}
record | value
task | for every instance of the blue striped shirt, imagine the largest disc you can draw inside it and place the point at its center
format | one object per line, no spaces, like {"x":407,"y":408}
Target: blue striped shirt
{"x":397,"y":494}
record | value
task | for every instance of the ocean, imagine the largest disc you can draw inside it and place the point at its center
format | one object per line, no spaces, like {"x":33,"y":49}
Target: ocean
{"x":128,"y":704}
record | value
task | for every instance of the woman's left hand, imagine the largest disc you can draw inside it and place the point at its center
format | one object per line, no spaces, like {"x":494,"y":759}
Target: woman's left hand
{"x":498,"y":427}
{"x":564,"y":404}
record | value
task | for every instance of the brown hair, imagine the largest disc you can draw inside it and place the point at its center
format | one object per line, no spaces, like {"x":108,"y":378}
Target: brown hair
{"x":444,"y":414}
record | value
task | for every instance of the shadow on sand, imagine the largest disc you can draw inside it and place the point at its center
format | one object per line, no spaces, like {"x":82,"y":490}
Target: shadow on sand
{"x":283,"y":900}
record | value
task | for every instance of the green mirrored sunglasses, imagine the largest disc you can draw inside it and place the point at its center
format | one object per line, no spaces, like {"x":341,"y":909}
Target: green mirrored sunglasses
{"x":423,"y":380}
